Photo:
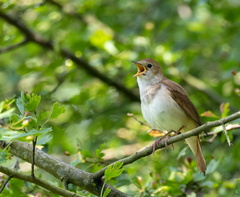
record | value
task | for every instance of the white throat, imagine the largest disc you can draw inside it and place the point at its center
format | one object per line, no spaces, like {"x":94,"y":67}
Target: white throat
{"x":144,"y":82}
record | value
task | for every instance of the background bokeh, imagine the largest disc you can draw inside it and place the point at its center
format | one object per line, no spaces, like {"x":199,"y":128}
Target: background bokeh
{"x":196,"y":42}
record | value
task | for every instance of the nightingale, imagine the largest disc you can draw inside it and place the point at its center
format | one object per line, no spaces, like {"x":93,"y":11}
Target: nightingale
{"x":166,"y":106}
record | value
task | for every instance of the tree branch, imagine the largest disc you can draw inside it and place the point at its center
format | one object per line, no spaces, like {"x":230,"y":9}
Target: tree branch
{"x":148,"y":150}
{"x":59,"y":169}
{"x":54,"y":189}
{"x":92,"y":181}
{"x":38,"y":39}
{"x":5,"y":182}
{"x":15,"y":46}
{"x":34,"y":142}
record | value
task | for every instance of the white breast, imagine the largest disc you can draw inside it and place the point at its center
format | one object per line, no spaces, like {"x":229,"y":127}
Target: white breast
{"x":161,"y":111}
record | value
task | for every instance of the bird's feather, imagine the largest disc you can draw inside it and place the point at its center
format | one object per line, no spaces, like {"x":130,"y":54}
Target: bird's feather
{"x":180,"y":96}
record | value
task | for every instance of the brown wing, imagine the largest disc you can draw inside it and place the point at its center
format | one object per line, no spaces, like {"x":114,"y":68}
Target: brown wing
{"x":182,"y":99}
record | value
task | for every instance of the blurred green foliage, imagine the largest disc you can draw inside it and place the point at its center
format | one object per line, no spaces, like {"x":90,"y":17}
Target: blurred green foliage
{"x":192,"y":39}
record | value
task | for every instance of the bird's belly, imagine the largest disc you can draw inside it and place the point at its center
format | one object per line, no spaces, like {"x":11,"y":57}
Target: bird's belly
{"x":164,"y":113}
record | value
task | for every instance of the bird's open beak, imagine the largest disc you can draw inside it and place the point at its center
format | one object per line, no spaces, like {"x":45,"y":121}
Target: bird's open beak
{"x":141,"y":69}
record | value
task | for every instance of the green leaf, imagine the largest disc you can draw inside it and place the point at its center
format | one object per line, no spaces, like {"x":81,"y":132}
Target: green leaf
{"x":32,"y":122}
{"x":137,"y":181}
{"x":33,"y":102}
{"x":212,"y":166}
{"x":87,"y":155}
{"x":113,"y":171}
{"x":237,"y":191}
{"x":1,"y":106}
{"x":7,"y":113}
{"x":100,"y":37}
{"x":14,"y":118}
{"x":42,"y":131}
{"x":12,"y":135}
{"x":197,"y":177}
{"x":99,"y":153}
{"x":4,"y":155}
{"x":224,"y":108}
{"x":42,"y":115}
{"x":20,"y":105}
{"x":75,"y":162}
{"x":9,"y":134}
{"x":106,"y":192}
{"x":57,"y":110}
{"x":182,"y":153}
{"x":6,"y":105}
{"x":44,"y":139}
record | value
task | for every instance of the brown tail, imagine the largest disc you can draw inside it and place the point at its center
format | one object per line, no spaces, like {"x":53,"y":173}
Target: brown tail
{"x":194,"y":144}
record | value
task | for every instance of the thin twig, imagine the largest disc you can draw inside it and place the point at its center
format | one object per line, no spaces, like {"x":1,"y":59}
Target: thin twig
{"x":226,"y":134}
{"x":65,"y":183}
{"x":5,"y":183}
{"x":212,"y":138}
{"x":135,"y":118}
{"x":12,"y":47}
{"x":214,"y":133}
{"x":34,"y":142}
{"x":60,"y":81}
{"x":54,"y":189}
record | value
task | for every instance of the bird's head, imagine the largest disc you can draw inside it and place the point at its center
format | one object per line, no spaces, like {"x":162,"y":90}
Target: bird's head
{"x":149,"y":71}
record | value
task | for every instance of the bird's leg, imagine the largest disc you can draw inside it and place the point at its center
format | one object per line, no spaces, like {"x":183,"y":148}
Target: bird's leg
{"x":178,"y":131}
{"x":165,"y":138}
{"x":160,"y":139}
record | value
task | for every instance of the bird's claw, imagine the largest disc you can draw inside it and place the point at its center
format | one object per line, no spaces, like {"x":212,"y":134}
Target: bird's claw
{"x":165,"y":138}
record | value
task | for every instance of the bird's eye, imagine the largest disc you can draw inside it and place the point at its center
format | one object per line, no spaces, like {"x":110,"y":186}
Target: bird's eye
{"x":149,"y":65}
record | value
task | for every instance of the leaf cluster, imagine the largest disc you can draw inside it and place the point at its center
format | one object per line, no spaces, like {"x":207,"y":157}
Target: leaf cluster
{"x":27,"y":123}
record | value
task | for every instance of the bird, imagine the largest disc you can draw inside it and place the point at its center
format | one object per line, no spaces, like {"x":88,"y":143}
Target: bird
{"x":165,"y":105}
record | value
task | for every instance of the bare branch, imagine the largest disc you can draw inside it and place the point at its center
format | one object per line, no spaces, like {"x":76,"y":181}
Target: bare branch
{"x":139,"y":121}
{"x":226,"y":134}
{"x":148,"y":150}
{"x":57,"y":168}
{"x":34,"y":142}
{"x":15,"y":46}
{"x":54,"y":189}
{"x":5,"y":183}
{"x":212,"y":138}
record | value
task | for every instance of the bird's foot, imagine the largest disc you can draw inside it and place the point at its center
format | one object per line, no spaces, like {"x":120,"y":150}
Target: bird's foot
{"x":163,"y":138}
{"x":168,"y":137}
{"x":165,"y":141}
